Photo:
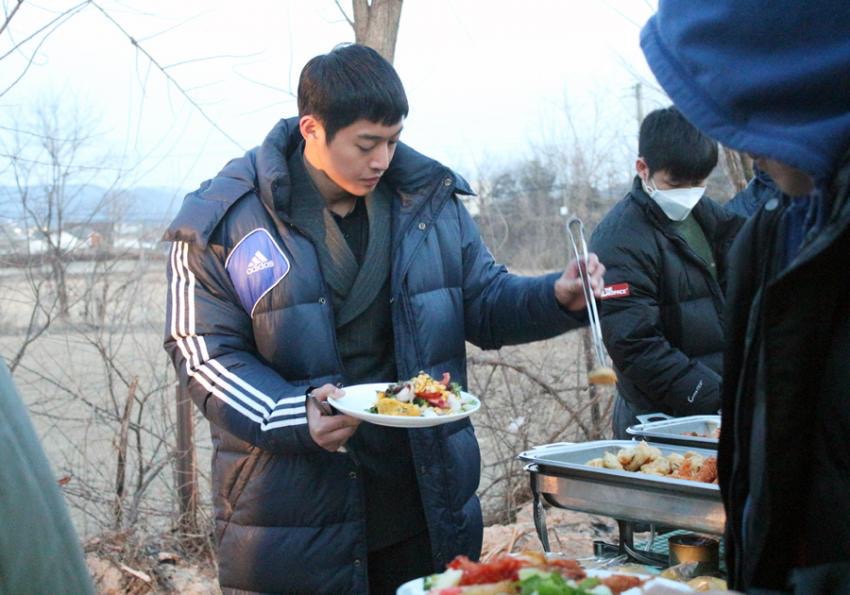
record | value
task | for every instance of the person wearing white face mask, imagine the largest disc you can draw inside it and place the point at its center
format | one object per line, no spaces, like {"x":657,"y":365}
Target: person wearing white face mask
{"x":664,"y":246}
{"x":676,"y":203}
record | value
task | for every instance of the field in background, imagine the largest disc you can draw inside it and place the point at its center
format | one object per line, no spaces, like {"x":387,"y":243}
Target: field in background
{"x":101,"y":393}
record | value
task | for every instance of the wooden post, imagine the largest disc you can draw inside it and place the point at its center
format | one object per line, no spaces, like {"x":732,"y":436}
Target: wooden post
{"x":121,"y":468}
{"x":186,"y":475}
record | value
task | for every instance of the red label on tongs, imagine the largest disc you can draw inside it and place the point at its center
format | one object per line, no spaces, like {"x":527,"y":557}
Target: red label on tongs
{"x":615,"y":291}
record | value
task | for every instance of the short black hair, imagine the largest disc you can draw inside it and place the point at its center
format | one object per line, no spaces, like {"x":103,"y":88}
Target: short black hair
{"x":669,"y":142}
{"x":349,"y":83}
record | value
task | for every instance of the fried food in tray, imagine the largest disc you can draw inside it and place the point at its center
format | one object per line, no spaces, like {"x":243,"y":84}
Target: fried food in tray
{"x":714,"y":434}
{"x":645,"y":458}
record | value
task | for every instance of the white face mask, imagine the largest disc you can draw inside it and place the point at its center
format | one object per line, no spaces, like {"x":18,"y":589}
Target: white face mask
{"x":677,"y":203}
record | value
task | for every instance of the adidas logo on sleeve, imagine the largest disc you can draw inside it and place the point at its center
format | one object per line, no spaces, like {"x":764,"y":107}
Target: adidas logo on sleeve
{"x":258,"y":263}
{"x":255,"y":265}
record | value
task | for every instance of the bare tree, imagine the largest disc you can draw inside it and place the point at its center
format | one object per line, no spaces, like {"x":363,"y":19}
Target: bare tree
{"x":48,"y":154}
{"x":375,"y":24}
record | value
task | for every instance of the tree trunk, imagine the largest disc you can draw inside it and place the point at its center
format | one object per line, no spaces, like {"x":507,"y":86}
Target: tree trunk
{"x":739,"y":168}
{"x":58,"y":265}
{"x":376,"y":25}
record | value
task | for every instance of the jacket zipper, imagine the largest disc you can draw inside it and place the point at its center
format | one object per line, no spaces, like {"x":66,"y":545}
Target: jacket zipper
{"x":405,"y":298}
{"x":280,"y":221}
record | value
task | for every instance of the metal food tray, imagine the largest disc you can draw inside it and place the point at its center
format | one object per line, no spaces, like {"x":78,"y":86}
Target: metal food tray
{"x":658,"y":427}
{"x":560,"y":474}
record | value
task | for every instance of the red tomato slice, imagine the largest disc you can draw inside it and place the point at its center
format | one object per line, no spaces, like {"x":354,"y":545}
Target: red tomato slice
{"x":430,"y":397}
{"x":480,"y":573}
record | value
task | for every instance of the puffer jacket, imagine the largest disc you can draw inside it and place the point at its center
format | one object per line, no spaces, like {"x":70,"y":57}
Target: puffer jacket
{"x":248,"y":337}
{"x":662,"y":310}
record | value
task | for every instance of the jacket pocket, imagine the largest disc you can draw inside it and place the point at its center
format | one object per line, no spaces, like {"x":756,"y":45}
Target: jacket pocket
{"x":233,"y":492}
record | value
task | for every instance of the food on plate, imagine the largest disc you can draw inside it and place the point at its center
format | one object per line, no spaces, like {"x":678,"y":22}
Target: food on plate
{"x":602,"y":375}
{"x":713,"y":434}
{"x":386,"y":406}
{"x":644,"y":458}
{"x":701,"y":584}
{"x":422,"y":396}
{"x":524,"y":573}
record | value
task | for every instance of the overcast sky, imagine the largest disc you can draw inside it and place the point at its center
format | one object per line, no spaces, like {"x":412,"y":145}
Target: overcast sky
{"x":487,"y":80}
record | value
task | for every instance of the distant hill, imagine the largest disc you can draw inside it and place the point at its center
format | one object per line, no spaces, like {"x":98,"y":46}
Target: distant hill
{"x":95,"y":203}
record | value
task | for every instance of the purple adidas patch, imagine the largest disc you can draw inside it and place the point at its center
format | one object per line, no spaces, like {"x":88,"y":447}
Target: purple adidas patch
{"x":255,"y":265}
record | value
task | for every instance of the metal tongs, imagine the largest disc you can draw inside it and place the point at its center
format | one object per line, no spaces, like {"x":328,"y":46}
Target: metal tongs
{"x":589,"y":299}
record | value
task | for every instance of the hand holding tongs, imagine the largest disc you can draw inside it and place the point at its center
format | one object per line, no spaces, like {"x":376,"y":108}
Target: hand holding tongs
{"x":589,"y":299}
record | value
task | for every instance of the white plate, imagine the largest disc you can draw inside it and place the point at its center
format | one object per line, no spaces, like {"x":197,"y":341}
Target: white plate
{"x":360,"y":397}
{"x":417,"y":585}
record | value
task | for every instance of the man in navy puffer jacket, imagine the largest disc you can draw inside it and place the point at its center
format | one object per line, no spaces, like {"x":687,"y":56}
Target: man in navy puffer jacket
{"x":334,"y":254}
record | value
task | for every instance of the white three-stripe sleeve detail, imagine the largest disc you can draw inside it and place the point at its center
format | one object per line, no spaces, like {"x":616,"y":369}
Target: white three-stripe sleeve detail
{"x":210,"y":373}
{"x":231,"y":376}
{"x":190,"y":304}
{"x":181,"y":291}
{"x":174,"y":301}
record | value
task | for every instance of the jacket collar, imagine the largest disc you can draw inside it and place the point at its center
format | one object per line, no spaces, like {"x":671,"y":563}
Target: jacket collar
{"x":354,"y":287}
{"x":264,"y":171}
{"x":409,"y":175}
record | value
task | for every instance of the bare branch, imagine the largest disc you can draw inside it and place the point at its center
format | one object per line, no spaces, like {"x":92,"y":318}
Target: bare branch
{"x":63,"y":15}
{"x":344,"y":14}
{"x":207,"y":58}
{"x":266,"y":85}
{"x":10,"y":16}
{"x":59,"y":21}
{"x":621,"y":14}
{"x":166,"y":74}
{"x":574,"y":415}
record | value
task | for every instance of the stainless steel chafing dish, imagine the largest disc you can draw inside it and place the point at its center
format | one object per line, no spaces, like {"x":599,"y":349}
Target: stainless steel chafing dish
{"x":560,"y":476}
{"x":658,"y":427}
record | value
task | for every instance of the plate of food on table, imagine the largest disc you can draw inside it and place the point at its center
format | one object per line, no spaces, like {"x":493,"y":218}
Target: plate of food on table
{"x":419,"y":402}
{"x":530,"y":573}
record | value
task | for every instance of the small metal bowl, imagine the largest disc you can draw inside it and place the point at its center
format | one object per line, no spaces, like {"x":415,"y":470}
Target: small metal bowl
{"x":690,"y":547}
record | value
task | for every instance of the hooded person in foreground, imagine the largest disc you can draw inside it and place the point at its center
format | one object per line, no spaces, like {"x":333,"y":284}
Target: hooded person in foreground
{"x":773,"y":79}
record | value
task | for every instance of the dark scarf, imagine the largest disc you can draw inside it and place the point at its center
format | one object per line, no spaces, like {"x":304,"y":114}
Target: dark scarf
{"x":360,"y":296}
{"x":353,"y":288}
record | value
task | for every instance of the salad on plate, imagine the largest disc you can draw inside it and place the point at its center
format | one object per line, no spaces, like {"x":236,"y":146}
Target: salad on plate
{"x":526,"y":573}
{"x":422,"y":396}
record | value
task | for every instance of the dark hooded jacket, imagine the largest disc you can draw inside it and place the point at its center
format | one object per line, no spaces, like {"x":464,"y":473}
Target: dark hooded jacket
{"x":248,"y":338}
{"x":661,"y":312}
{"x":779,"y":88}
